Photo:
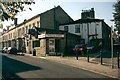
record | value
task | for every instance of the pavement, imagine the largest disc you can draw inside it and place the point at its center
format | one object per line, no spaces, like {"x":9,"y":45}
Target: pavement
{"x":82,"y":63}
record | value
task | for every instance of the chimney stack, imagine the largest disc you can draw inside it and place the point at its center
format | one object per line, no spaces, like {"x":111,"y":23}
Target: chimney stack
{"x":86,"y":14}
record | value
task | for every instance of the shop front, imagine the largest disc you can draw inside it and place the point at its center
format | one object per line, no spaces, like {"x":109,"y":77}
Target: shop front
{"x":51,"y":44}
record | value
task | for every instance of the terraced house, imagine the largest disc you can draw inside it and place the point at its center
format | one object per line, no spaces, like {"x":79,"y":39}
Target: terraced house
{"x":47,"y":26}
{"x":55,"y":32}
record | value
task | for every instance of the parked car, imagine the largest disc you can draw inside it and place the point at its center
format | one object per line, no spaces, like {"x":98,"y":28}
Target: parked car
{"x":8,"y":50}
{"x":4,"y":50}
{"x":13,"y":51}
{"x":80,"y":49}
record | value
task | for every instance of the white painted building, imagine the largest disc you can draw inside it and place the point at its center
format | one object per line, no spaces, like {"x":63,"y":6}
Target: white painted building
{"x":88,"y":29}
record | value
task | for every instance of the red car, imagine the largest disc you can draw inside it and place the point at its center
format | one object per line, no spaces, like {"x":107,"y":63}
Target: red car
{"x":82,"y":49}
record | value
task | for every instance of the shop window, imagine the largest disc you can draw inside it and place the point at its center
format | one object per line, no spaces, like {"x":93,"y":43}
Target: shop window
{"x":51,"y":45}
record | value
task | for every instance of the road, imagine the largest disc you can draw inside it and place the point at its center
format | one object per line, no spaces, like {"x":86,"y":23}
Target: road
{"x":16,"y":66}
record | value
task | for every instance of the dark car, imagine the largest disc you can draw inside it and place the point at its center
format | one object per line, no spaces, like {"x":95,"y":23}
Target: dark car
{"x":13,"y":51}
{"x":82,"y":49}
{"x":4,"y":50}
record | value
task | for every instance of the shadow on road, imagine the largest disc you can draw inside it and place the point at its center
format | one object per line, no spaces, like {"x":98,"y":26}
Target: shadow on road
{"x":11,"y":67}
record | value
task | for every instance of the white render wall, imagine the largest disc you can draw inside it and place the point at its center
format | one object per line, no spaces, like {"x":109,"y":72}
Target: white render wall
{"x":94,"y":27}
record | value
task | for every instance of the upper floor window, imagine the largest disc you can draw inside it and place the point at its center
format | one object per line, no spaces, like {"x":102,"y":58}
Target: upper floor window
{"x":23,"y":31}
{"x":26,"y":29}
{"x":65,"y":28}
{"x":29,"y":26}
{"x":33,"y":24}
{"x":11,"y":35}
{"x":19,"y":32}
{"x":77,"y":28}
{"x":14,"y":35}
{"x":38,"y":24}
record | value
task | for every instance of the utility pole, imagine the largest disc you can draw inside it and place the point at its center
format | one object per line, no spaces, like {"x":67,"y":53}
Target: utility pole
{"x":111,"y":47}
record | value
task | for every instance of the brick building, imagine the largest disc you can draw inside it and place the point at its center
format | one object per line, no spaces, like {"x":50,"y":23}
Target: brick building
{"x":47,"y":22}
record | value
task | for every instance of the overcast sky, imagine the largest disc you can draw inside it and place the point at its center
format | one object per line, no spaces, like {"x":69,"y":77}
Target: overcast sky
{"x":103,"y":8}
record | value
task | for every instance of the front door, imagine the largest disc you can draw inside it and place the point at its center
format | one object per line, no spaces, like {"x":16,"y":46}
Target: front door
{"x":52,"y":46}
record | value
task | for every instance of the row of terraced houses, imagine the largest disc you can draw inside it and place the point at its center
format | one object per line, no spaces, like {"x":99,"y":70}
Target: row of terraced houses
{"x":57,"y":33}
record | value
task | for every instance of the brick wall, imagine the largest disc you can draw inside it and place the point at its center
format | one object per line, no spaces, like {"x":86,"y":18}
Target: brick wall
{"x":41,"y":51}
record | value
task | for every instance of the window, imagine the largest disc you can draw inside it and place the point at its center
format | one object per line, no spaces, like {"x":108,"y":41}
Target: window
{"x":19,"y":32}
{"x":65,"y":28}
{"x":26,"y":29}
{"x":77,"y":28}
{"x":33,"y":24}
{"x":36,"y":43}
{"x":38,"y":25}
{"x":23,"y":32}
{"x":9,"y":36}
{"x":29,"y":26}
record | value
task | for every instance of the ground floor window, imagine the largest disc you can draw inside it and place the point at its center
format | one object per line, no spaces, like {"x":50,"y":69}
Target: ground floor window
{"x":51,"y":45}
{"x":36,"y":43}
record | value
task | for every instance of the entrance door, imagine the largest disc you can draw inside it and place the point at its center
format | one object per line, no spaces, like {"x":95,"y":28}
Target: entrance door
{"x":57,"y":45}
{"x":51,"y":46}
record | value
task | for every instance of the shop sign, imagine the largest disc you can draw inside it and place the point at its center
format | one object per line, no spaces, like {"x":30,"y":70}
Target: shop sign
{"x":51,"y":35}
{"x":41,"y":36}
{"x":54,"y":35}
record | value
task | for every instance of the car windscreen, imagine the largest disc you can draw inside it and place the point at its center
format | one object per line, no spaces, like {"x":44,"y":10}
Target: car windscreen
{"x":78,"y":46}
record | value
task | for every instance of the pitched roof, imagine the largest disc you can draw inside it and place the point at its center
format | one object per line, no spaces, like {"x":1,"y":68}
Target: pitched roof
{"x":41,"y":14}
{"x":84,"y":21}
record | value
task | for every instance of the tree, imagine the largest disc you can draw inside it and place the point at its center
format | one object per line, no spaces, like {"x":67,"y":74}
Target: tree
{"x":8,"y":10}
{"x":1,"y":26}
{"x":116,"y":15}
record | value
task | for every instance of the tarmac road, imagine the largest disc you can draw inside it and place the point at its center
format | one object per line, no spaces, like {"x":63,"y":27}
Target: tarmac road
{"x":16,"y":66}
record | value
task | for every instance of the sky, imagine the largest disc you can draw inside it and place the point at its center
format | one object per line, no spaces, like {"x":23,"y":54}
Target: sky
{"x":103,"y":9}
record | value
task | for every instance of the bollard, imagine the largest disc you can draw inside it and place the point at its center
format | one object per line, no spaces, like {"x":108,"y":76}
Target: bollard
{"x":88,"y":55}
{"x":101,"y":60}
{"x":34,"y":52}
{"x":118,"y":59}
{"x":77,"y":55}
